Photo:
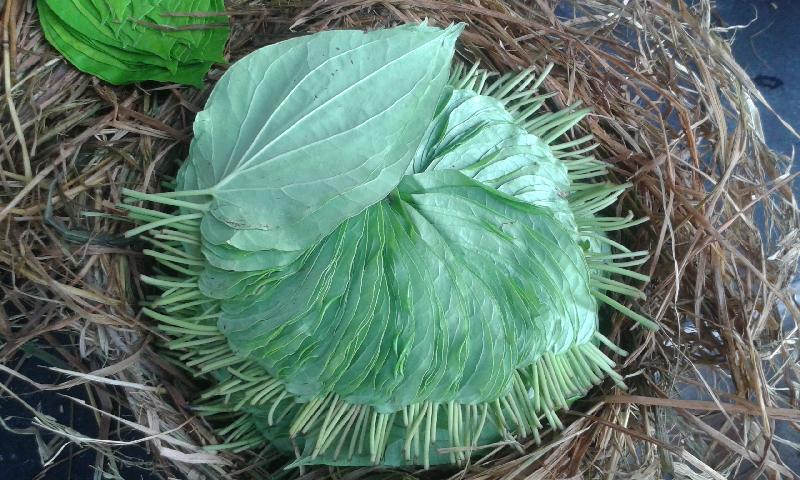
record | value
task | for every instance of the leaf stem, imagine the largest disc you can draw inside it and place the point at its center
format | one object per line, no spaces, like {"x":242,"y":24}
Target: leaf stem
{"x":167,"y":200}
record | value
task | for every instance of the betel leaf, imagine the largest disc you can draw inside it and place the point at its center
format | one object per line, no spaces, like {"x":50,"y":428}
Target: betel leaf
{"x":476,"y":135}
{"x":440,"y":291}
{"x":123,"y":41}
{"x":262,"y":138}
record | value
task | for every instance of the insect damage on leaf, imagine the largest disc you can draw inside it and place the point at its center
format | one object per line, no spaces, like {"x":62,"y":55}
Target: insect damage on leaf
{"x":373,"y":256}
{"x":124,"y":41}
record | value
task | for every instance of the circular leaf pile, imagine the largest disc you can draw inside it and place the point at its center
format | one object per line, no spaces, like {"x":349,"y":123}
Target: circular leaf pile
{"x":382,"y":261}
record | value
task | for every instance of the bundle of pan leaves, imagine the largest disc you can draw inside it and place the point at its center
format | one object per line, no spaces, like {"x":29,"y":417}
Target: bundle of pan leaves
{"x":125,"y":41}
{"x":381,"y":259}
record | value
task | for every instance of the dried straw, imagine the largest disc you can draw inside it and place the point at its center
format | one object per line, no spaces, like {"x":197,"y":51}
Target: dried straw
{"x":673,"y":113}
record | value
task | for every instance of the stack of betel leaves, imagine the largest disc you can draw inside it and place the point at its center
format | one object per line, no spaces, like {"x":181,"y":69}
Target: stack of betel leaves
{"x":383,"y":258}
{"x":127,"y":41}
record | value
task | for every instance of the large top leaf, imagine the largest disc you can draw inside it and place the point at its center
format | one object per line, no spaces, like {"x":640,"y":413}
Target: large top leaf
{"x":124,"y":41}
{"x":299,"y":136}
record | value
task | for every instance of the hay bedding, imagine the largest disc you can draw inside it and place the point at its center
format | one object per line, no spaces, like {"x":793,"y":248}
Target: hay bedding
{"x":673,"y":113}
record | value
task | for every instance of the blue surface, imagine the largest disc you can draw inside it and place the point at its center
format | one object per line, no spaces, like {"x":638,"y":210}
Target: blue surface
{"x":19,"y":455}
{"x":769,"y":50}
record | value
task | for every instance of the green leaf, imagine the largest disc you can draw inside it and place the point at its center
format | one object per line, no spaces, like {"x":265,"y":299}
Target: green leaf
{"x":476,"y":135}
{"x":124,"y":42}
{"x":294,"y":139}
{"x":441,"y":292}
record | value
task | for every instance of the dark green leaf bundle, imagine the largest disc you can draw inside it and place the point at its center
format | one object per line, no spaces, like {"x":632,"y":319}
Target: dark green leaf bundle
{"x":127,"y":41}
{"x":383,"y":261}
